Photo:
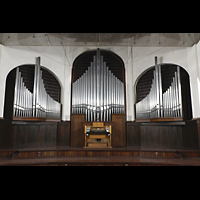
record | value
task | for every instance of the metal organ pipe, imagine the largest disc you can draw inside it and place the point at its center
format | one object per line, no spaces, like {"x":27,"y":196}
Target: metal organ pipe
{"x":22,"y":98}
{"x":158,"y":104}
{"x":172,"y":98}
{"x":98,"y":91}
{"x":36,"y":104}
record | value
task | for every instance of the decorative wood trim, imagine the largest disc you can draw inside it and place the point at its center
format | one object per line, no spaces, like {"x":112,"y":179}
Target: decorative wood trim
{"x":160,"y":119}
{"x":36,"y":119}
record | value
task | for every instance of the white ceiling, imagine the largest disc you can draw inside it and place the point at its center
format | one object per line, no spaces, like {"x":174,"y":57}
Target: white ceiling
{"x":99,"y":39}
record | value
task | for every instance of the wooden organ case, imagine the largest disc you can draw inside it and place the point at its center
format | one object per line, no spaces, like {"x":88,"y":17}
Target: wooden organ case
{"x":98,"y":100}
{"x":32,"y":105}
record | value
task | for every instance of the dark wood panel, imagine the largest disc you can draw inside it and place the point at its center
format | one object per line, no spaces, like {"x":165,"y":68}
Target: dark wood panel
{"x":190,"y":135}
{"x":163,"y":135}
{"x":114,"y":156}
{"x":63,"y":134}
{"x":31,"y":134}
{"x":5,"y":133}
{"x":132,"y":133}
{"x":77,"y":131}
{"x":118,"y":130}
{"x":160,"y":136}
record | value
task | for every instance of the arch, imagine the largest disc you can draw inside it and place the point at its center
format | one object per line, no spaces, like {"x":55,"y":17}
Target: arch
{"x":82,"y":62}
{"x":143,"y":83}
{"x":53,"y":74}
{"x":143,"y":72}
{"x":51,"y":83}
{"x":43,"y":67}
{"x":113,"y":61}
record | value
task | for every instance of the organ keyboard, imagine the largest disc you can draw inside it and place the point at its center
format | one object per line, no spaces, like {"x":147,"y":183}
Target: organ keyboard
{"x":98,"y":135}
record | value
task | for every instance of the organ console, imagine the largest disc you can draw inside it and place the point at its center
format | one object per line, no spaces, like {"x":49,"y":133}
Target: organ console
{"x":98,"y":93}
{"x":159,"y":104}
{"x":36,"y":104}
{"x":98,"y":135}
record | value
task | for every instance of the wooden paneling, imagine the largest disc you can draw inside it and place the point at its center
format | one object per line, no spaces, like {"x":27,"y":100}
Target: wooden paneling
{"x":5,"y":133}
{"x":77,"y":130}
{"x":115,"y":152}
{"x":132,"y":133}
{"x":19,"y":134}
{"x":63,"y":134}
{"x":118,"y":130}
{"x":163,"y":135}
{"x":198,"y":130}
{"x":34,"y":134}
{"x":101,"y":157}
{"x":154,"y":136}
{"x":190,"y":135}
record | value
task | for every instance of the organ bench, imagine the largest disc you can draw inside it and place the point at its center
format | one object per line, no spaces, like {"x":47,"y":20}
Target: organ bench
{"x":98,"y":135}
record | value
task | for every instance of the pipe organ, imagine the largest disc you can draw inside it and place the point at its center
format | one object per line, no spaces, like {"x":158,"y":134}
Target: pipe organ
{"x":159,"y":103}
{"x":38,"y":103}
{"x":23,"y":98}
{"x":98,"y":93}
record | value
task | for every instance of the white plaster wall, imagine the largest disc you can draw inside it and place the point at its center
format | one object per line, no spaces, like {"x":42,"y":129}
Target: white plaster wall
{"x":60,"y":59}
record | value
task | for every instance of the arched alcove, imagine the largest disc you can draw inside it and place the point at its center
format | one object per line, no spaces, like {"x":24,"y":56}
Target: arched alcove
{"x":144,"y":86}
{"x":114,"y":63}
{"x":51,"y":85}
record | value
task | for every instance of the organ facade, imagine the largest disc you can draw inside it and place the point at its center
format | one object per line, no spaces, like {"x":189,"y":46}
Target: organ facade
{"x":164,"y":99}
{"x":99,"y":86}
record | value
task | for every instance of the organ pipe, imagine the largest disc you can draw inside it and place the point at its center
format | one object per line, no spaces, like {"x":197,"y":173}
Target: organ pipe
{"x":37,"y":103}
{"x":98,"y":93}
{"x":158,"y":103}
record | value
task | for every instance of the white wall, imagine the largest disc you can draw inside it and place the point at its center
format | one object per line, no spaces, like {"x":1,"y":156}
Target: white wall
{"x":60,"y":59}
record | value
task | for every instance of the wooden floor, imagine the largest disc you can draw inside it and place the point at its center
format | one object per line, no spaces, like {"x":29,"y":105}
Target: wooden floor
{"x":72,"y":156}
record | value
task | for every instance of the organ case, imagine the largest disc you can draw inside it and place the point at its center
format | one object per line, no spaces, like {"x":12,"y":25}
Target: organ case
{"x":34,"y":102}
{"x":97,"y":96}
{"x":162,"y":103}
{"x":98,"y":93}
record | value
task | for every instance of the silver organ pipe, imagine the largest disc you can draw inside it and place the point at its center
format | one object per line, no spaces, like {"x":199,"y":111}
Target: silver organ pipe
{"x":158,"y":103}
{"x":37,"y":103}
{"x":98,"y":93}
{"x":172,"y":98}
{"x":22,"y":98}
